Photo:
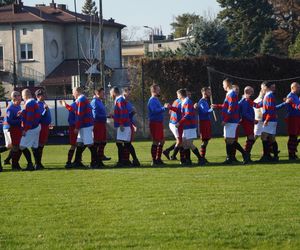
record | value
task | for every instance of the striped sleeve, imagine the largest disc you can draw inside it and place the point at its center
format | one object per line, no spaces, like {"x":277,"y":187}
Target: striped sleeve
{"x":121,"y":115}
{"x":269,"y":107}
{"x":29,"y":116}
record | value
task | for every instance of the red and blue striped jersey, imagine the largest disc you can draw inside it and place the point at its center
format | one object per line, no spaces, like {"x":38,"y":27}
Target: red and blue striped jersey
{"x":121,"y":113}
{"x":269,"y":108}
{"x":294,"y":105}
{"x":12,"y":118}
{"x":31,"y":115}
{"x":155,"y":110}
{"x":230,"y":108}
{"x":175,"y":112}
{"x":189,"y":118}
{"x":204,"y":110}
{"x":84,"y":117}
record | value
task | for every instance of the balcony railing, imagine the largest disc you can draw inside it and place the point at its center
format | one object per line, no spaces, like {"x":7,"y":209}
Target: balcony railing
{"x":22,"y":72}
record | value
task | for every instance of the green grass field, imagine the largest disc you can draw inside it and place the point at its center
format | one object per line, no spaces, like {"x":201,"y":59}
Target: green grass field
{"x":213,"y":207}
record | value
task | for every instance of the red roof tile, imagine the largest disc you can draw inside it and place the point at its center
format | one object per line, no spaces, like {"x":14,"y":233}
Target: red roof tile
{"x":28,"y":14}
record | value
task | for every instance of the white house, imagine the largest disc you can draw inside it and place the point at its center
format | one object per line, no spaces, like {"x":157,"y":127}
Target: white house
{"x":138,"y":49}
{"x":38,"y":46}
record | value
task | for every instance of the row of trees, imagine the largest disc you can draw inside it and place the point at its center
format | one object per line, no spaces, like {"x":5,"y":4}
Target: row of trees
{"x":242,"y":28}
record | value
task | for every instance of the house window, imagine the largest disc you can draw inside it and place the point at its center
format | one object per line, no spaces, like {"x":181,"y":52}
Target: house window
{"x":26,"y":51}
{"x":27,"y":83}
{"x":24,"y":32}
{"x":54,"y":48}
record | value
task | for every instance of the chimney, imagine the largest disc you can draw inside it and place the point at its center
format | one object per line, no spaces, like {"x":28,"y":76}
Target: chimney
{"x":111,"y":20}
{"x":17,"y":6}
{"x":19,"y":2}
{"x":62,"y":6}
{"x":53,"y":4}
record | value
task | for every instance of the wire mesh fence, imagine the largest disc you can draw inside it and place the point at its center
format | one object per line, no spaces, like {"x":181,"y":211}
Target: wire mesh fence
{"x":139,"y":79}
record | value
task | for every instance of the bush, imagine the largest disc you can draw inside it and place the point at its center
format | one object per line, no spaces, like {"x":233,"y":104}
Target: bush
{"x":192,"y":73}
{"x":268,"y":45}
{"x":294,"y":50}
{"x":2,"y":91}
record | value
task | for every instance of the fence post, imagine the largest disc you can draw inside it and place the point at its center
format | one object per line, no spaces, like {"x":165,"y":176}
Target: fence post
{"x":143,"y":97}
{"x":55,"y":112}
{"x":211,"y":96}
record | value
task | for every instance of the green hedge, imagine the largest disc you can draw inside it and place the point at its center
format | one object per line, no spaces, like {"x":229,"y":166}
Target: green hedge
{"x":192,"y":73}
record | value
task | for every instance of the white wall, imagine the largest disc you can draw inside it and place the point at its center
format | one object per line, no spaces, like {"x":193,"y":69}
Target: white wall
{"x":6,"y":41}
{"x":111,"y":43}
{"x":53,"y":35}
{"x":34,"y":36}
{"x":112,"y":47}
{"x":41,"y":35}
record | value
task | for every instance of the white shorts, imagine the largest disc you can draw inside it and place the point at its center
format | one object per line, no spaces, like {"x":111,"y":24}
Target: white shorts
{"x":31,"y":139}
{"x":7,"y":137}
{"x":230,"y":130}
{"x":270,"y":128}
{"x":258,"y":128}
{"x":189,"y":134}
{"x":124,"y":135}
{"x":174,"y":130}
{"x":85,"y":136}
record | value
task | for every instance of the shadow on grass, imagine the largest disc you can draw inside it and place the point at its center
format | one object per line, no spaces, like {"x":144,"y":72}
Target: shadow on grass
{"x":178,"y":165}
{"x":58,"y":167}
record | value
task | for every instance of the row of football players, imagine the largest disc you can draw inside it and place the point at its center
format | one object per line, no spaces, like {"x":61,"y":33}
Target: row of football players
{"x":257,"y":118}
{"x":28,"y":128}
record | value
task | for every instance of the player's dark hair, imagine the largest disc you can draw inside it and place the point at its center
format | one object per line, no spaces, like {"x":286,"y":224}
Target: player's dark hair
{"x":116,"y":90}
{"x":126,"y":89}
{"x":99,"y":90}
{"x":268,"y":84}
{"x":153,"y":87}
{"x":79,"y":90}
{"x":182,"y":92}
{"x":204,"y":89}
{"x":229,"y":81}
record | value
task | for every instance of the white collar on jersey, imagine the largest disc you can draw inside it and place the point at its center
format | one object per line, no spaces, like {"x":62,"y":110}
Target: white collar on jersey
{"x":79,"y":96}
{"x":118,"y":97}
{"x":28,"y":100}
{"x":230,"y":91}
{"x":185,"y":100}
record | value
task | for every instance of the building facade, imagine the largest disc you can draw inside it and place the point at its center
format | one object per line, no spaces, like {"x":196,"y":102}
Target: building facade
{"x":138,"y":49}
{"x":38,"y":47}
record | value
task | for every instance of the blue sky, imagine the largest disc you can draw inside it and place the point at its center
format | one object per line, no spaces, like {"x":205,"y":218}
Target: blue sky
{"x":154,"y":13}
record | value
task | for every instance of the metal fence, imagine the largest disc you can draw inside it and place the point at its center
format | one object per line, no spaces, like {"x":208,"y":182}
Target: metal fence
{"x":135,"y":78}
